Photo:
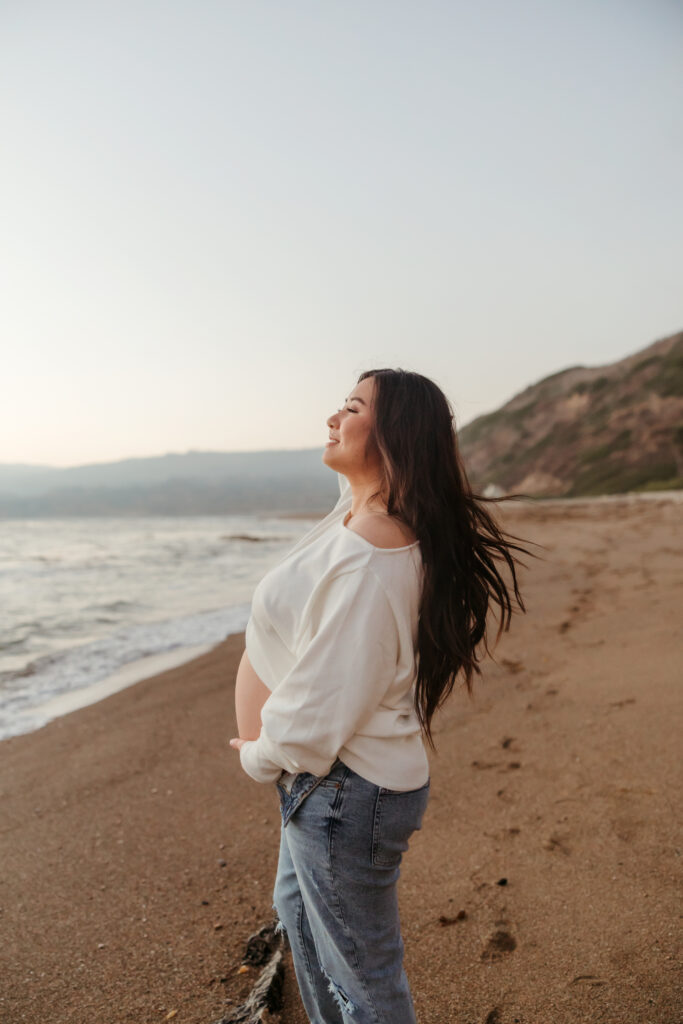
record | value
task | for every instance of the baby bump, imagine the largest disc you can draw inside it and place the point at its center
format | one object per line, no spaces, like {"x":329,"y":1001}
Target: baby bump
{"x":251,"y":693}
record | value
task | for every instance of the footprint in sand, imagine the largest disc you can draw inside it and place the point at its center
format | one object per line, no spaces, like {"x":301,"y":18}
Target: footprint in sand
{"x":627,"y":828}
{"x":493,"y":1016}
{"x":445,"y":920}
{"x":587,"y":979}
{"x":512,"y":666}
{"x":510,"y":766}
{"x":557,"y":843}
{"x":583,"y":601}
{"x":499,"y":945}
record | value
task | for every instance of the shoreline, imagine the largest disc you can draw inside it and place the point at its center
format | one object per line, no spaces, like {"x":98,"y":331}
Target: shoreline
{"x":137,"y":857}
{"x":624,"y":496}
{"x":128,"y":675}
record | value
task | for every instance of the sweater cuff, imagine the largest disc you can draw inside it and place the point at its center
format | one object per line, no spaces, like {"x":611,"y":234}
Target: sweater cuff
{"x":255,"y":764}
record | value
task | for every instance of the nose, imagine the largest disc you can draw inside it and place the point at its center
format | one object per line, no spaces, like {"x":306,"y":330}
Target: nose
{"x":333,"y":420}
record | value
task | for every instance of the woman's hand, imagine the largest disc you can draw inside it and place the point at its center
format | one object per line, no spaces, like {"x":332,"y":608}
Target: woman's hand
{"x":237,"y":744}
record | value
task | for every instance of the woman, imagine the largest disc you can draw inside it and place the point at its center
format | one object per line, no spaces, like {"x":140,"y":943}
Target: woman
{"x":355,"y":639}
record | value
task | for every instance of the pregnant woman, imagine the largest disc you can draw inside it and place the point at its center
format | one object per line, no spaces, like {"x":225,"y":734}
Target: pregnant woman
{"x":356,"y":637}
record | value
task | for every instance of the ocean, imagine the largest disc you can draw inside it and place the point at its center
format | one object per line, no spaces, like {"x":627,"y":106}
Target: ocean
{"x":90,"y":604}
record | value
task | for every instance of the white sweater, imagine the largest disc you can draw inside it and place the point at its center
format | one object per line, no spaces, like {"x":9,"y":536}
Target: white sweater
{"x":332,"y":634}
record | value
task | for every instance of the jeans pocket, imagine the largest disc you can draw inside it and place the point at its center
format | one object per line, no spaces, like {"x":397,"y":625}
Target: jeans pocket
{"x":303,"y":784}
{"x":397,"y":816}
{"x":290,"y":800}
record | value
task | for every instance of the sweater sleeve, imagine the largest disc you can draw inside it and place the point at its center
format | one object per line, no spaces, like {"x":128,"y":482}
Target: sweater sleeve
{"x":338,"y":680}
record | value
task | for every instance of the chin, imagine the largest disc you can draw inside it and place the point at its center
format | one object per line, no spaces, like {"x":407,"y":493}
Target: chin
{"x":328,"y":457}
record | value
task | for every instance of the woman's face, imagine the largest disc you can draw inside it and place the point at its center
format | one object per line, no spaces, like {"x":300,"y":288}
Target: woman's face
{"x":347,"y":450}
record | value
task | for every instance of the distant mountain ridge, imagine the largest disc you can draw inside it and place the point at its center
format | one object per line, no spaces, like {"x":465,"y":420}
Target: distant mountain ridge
{"x":143,"y":471}
{"x":587,"y":430}
{"x":192,"y":483}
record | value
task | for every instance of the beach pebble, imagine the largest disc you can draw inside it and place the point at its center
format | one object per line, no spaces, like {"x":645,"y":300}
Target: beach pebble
{"x":444,"y":921}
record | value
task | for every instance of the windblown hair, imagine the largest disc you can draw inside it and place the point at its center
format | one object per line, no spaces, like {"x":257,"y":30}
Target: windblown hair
{"x":425,"y":485}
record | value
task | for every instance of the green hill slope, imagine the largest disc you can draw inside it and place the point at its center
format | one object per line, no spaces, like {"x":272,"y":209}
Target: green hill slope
{"x":587,"y":430}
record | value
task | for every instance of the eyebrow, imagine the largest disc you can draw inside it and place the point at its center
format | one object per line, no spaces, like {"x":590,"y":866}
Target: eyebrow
{"x":355,"y":398}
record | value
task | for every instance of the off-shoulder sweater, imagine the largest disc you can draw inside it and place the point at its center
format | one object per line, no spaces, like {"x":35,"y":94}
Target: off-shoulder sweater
{"x":332,"y":634}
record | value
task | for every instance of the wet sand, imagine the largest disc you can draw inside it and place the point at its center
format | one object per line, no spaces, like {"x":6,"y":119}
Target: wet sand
{"x":544,"y":888}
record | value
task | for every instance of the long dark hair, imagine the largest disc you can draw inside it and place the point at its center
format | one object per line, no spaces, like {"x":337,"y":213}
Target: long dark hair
{"x":426,"y":486}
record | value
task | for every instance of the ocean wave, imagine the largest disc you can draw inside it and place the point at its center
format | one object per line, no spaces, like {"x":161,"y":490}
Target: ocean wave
{"x":51,"y":675}
{"x":253,"y":537}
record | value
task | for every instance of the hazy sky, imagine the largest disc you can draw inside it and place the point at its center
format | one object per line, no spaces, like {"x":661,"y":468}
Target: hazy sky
{"x":214,"y":214}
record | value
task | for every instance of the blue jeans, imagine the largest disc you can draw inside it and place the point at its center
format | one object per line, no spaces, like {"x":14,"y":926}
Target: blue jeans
{"x":341,"y":845}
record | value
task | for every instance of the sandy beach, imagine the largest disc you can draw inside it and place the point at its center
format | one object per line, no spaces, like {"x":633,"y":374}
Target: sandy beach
{"x":136,"y":857}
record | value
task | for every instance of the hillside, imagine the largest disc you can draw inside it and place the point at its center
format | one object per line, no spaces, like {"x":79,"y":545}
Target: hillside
{"x":587,"y":430}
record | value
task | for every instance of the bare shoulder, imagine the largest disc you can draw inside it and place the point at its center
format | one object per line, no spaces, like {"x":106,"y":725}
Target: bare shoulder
{"x":381,"y":531}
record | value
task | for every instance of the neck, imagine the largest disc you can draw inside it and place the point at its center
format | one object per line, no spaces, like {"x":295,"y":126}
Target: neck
{"x":362,"y":491}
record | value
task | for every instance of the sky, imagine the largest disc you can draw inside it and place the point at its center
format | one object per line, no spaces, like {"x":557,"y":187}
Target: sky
{"x":216,"y":214}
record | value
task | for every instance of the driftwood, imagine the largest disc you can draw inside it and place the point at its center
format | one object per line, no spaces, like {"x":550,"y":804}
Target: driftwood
{"x":264,"y":947}
{"x":261,"y":945}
